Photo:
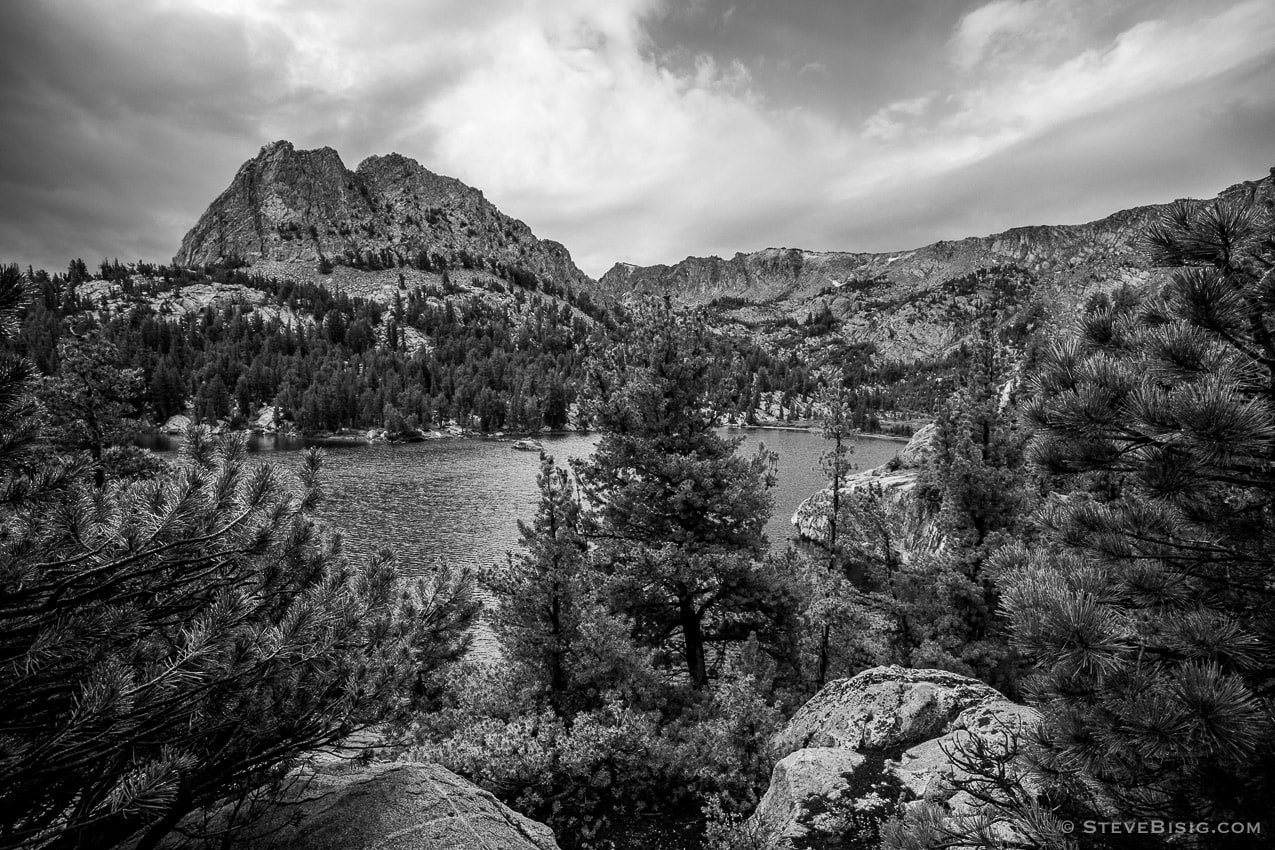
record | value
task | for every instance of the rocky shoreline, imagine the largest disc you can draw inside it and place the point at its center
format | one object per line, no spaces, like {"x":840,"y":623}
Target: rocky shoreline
{"x":176,"y":426}
{"x":814,"y":428}
{"x":895,"y":482}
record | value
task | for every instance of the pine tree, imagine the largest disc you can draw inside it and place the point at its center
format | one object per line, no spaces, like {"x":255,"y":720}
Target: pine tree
{"x":544,"y":592}
{"x":838,"y":429}
{"x":554,"y":410}
{"x":829,"y":589}
{"x":975,"y":482}
{"x":168,"y":642}
{"x":907,"y":579}
{"x":93,"y":399}
{"x":167,"y":391}
{"x":678,"y":517}
{"x":29,"y":476}
{"x":1149,"y":608}
{"x":973,"y":474}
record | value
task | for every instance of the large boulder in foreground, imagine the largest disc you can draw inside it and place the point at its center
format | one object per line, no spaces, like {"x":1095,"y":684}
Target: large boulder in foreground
{"x":866,"y":748}
{"x":885,"y":710}
{"x":824,"y":797}
{"x":387,"y":806}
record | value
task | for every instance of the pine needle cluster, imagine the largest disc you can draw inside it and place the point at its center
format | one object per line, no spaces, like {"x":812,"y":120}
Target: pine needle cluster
{"x":1149,"y":608}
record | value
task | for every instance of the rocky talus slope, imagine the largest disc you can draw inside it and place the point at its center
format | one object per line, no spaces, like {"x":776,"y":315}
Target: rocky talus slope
{"x":874,"y":746}
{"x":288,"y":209}
{"x":917,"y":303}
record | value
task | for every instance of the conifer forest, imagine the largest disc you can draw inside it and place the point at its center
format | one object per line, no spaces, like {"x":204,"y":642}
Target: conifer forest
{"x":1089,"y":533}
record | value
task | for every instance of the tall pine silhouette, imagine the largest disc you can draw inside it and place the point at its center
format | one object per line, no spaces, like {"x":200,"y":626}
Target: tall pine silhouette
{"x":677,"y":516}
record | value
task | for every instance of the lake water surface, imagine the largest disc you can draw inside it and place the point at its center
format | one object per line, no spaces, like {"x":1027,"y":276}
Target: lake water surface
{"x":458,"y":500}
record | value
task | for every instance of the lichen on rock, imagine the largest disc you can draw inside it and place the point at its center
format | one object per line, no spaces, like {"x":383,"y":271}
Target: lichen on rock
{"x":872,"y":746}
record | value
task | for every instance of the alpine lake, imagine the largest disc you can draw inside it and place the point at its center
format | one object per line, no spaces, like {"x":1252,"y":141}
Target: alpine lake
{"x":458,"y":500}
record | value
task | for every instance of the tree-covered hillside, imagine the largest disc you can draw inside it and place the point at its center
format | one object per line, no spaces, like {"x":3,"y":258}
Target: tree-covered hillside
{"x":230,"y":347}
{"x":325,"y":360}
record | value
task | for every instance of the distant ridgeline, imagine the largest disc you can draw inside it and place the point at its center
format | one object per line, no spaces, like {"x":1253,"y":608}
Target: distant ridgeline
{"x":914,"y":308}
{"x":391,"y":297}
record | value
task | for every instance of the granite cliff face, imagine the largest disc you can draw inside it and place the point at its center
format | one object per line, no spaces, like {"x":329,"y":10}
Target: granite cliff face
{"x":917,"y":303}
{"x":287,"y":210}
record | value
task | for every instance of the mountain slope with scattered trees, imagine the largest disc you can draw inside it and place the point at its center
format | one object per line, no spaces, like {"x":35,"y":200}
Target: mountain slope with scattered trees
{"x":918,"y":305}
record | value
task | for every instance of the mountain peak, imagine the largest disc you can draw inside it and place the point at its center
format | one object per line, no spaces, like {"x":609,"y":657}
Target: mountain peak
{"x":284,"y":151}
{"x":305,"y":208}
{"x":271,"y":147}
{"x":393,"y":158}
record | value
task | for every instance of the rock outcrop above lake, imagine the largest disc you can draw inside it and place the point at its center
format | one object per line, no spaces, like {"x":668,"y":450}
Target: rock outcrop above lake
{"x":894,"y":484}
{"x":387,"y":806}
{"x":917,"y":451}
{"x":870,"y":747}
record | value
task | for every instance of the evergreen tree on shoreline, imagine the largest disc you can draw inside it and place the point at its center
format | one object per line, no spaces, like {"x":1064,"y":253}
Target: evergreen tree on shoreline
{"x":543,"y":592}
{"x":827,"y":609}
{"x":677,"y":517}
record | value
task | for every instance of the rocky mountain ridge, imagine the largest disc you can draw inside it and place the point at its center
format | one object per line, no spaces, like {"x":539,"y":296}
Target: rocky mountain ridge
{"x":917,"y":303}
{"x":303,"y":214}
{"x":392,"y":224}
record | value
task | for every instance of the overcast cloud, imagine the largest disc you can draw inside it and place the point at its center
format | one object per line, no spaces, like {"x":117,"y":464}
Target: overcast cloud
{"x":637,"y":130}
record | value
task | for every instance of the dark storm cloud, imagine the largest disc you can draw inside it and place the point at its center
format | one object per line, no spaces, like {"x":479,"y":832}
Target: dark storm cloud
{"x":112,"y":117}
{"x":642,"y":130}
{"x":123,"y":121}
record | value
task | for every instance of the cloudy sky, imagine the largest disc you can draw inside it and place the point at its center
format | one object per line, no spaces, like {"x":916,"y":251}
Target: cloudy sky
{"x":637,"y":130}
